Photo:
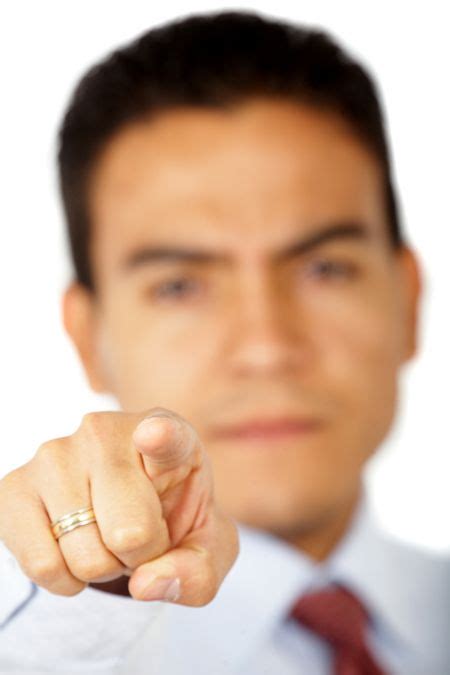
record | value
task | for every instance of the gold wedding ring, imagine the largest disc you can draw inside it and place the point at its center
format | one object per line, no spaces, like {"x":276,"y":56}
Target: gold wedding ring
{"x":70,"y":521}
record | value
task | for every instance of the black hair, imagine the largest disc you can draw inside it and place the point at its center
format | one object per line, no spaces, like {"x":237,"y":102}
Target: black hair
{"x":214,"y":60}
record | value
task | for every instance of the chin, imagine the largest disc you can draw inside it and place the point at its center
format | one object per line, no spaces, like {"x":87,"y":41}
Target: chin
{"x":269,"y":512}
{"x":298,"y":488}
{"x":300,"y":511}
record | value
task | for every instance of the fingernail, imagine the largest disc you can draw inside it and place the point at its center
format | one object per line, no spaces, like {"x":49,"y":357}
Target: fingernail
{"x":163,"y":588}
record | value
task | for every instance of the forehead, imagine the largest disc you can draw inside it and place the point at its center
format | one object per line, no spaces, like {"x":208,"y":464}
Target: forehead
{"x":250,"y":176}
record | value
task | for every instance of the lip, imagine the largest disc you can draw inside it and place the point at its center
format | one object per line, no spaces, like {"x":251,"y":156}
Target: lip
{"x":263,"y":429}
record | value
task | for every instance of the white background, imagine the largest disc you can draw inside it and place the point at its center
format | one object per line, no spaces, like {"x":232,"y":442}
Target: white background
{"x":45,"y":47}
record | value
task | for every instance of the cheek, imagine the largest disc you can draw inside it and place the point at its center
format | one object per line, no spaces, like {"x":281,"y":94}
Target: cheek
{"x":158,"y":360}
{"x":360,"y":353}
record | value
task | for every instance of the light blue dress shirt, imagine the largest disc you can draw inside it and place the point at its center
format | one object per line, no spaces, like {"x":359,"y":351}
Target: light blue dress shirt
{"x":245,"y":629}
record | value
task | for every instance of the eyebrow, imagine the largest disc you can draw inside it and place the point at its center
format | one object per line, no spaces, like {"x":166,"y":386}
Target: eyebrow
{"x":343,"y":230}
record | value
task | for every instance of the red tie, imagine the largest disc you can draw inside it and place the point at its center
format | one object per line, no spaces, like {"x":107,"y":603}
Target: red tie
{"x":338,"y":616}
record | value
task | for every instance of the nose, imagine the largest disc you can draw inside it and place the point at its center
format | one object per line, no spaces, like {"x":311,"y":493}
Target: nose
{"x":268,"y":336}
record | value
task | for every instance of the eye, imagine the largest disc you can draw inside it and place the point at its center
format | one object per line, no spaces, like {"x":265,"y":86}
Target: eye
{"x":177,"y":288}
{"x":326,"y":268}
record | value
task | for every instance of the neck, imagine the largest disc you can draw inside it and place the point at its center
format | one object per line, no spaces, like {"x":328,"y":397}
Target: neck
{"x":320,"y":540}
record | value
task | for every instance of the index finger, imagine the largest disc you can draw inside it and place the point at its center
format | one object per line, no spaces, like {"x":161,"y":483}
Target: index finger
{"x":169,"y":446}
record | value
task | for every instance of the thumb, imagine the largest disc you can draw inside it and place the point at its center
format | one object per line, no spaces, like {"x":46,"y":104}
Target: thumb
{"x":168,"y":445}
{"x":192,"y":573}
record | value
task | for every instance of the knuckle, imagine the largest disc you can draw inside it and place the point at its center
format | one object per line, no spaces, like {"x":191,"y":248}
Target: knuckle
{"x":87,"y":569}
{"x":50,"y":451}
{"x":71,"y":589}
{"x":101,"y":427}
{"x":46,"y":449}
{"x":51,"y":459}
{"x":92,"y":422}
{"x":43,"y":571}
{"x":13,"y":487}
{"x":122,"y":540}
{"x":12,"y":480}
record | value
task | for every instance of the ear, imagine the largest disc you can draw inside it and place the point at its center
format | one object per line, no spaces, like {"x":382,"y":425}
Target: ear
{"x":412,"y":288}
{"x":80,"y":316}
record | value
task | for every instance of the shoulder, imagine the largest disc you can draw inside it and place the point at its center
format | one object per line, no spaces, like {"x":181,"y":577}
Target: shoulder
{"x":417,"y":594}
{"x":424,"y":573}
{"x":373,"y":554}
{"x":405,"y":586}
{"x":415,"y":576}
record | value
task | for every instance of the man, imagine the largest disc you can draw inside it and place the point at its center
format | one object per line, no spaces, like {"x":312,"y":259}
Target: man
{"x":243,"y":288}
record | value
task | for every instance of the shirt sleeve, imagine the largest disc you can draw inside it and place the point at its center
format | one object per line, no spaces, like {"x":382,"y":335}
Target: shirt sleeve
{"x":15,"y":589}
{"x":91,"y":632}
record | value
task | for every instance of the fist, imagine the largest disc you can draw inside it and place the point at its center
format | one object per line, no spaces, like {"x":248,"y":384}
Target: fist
{"x":149,"y":481}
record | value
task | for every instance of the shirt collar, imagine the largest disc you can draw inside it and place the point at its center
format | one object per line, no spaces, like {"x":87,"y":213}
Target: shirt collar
{"x":401,"y":586}
{"x":270,"y":575}
{"x":364,"y":561}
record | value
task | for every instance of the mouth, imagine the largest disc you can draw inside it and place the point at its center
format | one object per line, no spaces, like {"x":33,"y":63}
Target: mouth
{"x":264,"y":430}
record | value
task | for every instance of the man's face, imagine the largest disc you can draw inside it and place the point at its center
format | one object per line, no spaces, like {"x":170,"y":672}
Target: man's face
{"x":284,"y":357}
